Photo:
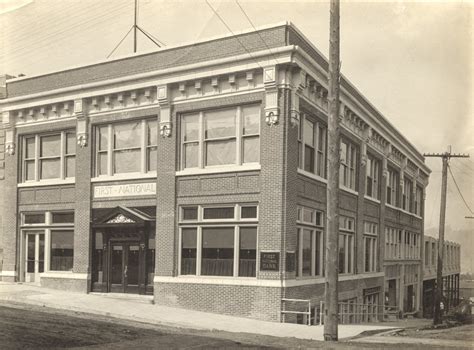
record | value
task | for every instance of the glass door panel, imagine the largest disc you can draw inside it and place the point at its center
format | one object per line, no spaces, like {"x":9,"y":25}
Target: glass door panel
{"x":34,"y":255}
{"x":116,"y":267}
{"x":132,"y":268}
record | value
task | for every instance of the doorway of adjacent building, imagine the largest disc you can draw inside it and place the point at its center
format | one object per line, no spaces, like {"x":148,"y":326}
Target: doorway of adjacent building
{"x":34,"y":255}
{"x":124,"y":267}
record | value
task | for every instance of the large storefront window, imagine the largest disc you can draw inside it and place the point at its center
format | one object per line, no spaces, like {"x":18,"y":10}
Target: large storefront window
{"x":346,"y":244}
{"x":309,"y":258}
{"x":123,"y":148}
{"x":62,"y":249}
{"x":222,"y":137}
{"x":48,"y":156}
{"x":218,"y":249}
{"x":312,"y":146}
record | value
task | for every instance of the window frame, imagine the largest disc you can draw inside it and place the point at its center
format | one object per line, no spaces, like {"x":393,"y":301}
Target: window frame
{"x":348,"y":168}
{"x":373,"y":173}
{"x":316,"y":230}
{"x":202,"y":140}
{"x":347,"y":231}
{"x":371,"y":235}
{"x":319,"y":145}
{"x":37,"y":158}
{"x":392,"y":188}
{"x":110,"y":150}
{"x":237,"y":223}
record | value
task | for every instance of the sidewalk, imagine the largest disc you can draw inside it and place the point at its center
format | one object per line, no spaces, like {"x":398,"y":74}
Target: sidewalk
{"x":142,"y":310}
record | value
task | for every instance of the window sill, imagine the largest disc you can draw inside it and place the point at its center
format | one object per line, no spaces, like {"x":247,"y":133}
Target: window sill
{"x":347,"y":189}
{"x":124,"y":177}
{"x":312,"y":176}
{"x":403,"y":211}
{"x":53,"y":182}
{"x":372,"y":199}
{"x":65,"y":274}
{"x":217,"y":170}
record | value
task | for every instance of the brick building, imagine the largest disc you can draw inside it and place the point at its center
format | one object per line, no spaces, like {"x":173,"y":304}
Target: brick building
{"x":197,"y":174}
{"x":451,"y":272}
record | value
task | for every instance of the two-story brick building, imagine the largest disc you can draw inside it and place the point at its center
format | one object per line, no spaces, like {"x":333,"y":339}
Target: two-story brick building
{"x":197,"y":173}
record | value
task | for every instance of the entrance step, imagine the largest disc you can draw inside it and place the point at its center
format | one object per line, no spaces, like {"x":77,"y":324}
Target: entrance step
{"x":146,"y":299}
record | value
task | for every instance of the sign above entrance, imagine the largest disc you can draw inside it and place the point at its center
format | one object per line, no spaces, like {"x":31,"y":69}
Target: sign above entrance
{"x":125,"y":190}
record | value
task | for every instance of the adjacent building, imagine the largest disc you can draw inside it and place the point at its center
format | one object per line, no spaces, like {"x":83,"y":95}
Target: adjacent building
{"x":197,"y":174}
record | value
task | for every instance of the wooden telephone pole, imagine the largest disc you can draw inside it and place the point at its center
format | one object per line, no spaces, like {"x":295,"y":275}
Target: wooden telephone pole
{"x":332,"y":235}
{"x":437,"y":319}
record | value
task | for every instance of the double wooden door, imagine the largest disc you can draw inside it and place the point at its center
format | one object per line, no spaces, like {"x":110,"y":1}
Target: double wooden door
{"x":124,"y":268}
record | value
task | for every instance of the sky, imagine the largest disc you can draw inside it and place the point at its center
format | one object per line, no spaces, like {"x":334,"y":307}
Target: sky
{"x":412,"y":60}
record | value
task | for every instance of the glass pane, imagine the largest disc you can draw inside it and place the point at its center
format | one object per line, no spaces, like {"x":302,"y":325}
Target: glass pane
{"x":309,"y":159}
{"x":102,"y":138}
{"x":251,"y":150}
{"x":102,"y":163}
{"x":127,"y":135}
{"x":308,"y":132}
{"x":152,"y":158}
{"x":30,"y":254}
{"x":133,"y":264}
{"x":248,"y":212}
{"x":307,"y":244}
{"x":41,"y":253}
{"x":367,"y":254}
{"x":188,"y":251}
{"x":29,"y":170}
{"x":117,"y":264}
{"x":70,"y":166}
{"x":34,"y":218}
{"x":342,"y":249}
{"x":220,"y":123}
{"x":190,"y":124}
{"x":50,"y":145}
{"x":30,"y":147}
{"x":127,"y":161}
{"x":49,"y":168}
{"x":152,"y":132}
{"x":219,"y":213}
{"x":220,"y":152}
{"x":63,"y":218}
{"x":248,"y":252}
{"x":62,"y":250}
{"x":319,"y":253}
{"x":251,"y":120}
{"x":70,"y":143}
{"x":190,"y":213}
{"x":191,"y":155}
{"x":217,"y":251}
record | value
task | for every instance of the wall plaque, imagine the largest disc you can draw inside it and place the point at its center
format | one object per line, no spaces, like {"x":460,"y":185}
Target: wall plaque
{"x":269,"y":261}
{"x":125,"y":190}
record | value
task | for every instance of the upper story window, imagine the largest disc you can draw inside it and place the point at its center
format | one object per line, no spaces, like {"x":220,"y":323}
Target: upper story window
{"x":348,"y":167}
{"x":373,"y":176}
{"x":229,"y":136}
{"x":129,"y":147}
{"x":407,"y":203}
{"x":419,"y":201}
{"x":312,"y":146}
{"x":48,"y":156}
{"x":393,"y":184}
{"x":370,"y":246}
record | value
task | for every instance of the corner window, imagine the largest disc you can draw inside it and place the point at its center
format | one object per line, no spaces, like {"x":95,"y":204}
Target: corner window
{"x":48,"y":156}
{"x":229,"y":136}
{"x":312,"y":146}
{"x":217,"y":248}
{"x":348,"y":167}
{"x":123,"y":148}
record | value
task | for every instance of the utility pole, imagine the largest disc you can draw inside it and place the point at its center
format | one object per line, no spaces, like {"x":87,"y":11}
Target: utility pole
{"x":135,"y":28}
{"x":438,"y":319}
{"x":332,"y":235}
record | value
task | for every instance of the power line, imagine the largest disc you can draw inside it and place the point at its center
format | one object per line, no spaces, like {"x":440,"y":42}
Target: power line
{"x":230,"y":30}
{"x":148,"y":36}
{"x":459,"y":191}
{"x":49,"y":37}
{"x":251,"y":23}
{"x":152,"y":36}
